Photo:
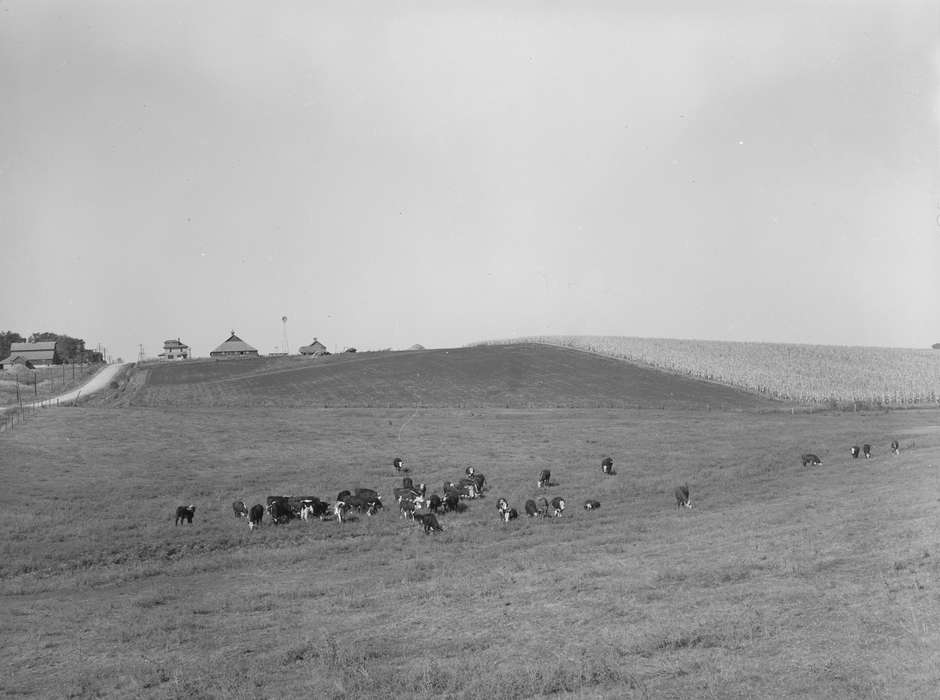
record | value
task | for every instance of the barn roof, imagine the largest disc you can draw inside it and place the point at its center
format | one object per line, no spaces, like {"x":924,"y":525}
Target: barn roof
{"x":174,"y":343}
{"x":234,"y":345}
{"x":315,"y":346}
{"x":43,"y":351}
{"x":42,"y":345}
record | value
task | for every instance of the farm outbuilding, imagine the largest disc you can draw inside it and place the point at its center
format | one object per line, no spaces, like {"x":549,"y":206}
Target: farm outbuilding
{"x":234,"y":347}
{"x":39,"y":354}
{"x":174,"y":350}
{"x":316,"y":348}
{"x":14,"y":362}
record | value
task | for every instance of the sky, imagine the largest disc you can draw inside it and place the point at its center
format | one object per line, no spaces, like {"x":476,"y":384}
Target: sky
{"x":390,"y":173}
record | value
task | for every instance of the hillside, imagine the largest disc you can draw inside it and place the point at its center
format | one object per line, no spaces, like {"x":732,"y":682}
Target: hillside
{"x":520,"y":375}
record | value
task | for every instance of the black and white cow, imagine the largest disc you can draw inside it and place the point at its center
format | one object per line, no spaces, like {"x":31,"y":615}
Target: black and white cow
{"x":607,"y":465}
{"x":364,"y":503}
{"x":406,"y":507}
{"x":313,"y":507}
{"x":558,"y":506}
{"x":343,"y":495}
{"x":340,"y":511}
{"x":531,"y":509}
{"x":240,"y":510}
{"x":810,"y":459}
{"x":545,"y":477}
{"x":435,"y":503}
{"x":683,"y":498}
{"x":255,"y":516}
{"x":866,"y":450}
{"x":399,"y":465}
{"x":506,"y":513}
{"x":429,"y":521}
{"x":854,"y":451}
{"x":591,"y":504}
{"x":450,"y":503}
{"x":185,"y":513}
{"x":542,"y":505}
{"x":895,"y":447}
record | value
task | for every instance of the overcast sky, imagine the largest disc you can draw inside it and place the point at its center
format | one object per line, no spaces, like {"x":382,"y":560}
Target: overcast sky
{"x":441,"y":173}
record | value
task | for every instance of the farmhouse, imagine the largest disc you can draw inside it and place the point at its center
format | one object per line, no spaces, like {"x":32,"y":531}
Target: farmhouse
{"x":38,"y":354}
{"x":174,"y":350}
{"x":234,"y":347}
{"x":316,"y":348}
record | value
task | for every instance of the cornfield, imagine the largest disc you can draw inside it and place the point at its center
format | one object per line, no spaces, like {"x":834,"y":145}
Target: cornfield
{"x":807,"y":373}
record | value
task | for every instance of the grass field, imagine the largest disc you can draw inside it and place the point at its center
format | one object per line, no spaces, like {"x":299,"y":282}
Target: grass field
{"x":784,"y":581}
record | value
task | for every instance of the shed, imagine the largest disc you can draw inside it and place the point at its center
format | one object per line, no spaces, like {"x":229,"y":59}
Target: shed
{"x":234,"y":347}
{"x":315,"y":348}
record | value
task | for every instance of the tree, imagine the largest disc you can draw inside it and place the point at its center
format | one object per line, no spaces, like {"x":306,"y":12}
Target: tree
{"x":7,"y":338}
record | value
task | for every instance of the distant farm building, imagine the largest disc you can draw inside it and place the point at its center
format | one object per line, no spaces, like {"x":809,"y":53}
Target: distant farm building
{"x":39,"y":354}
{"x":174,"y":350}
{"x":15,"y":362}
{"x":417,"y":346}
{"x":316,"y":348}
{"x":232,"y":348}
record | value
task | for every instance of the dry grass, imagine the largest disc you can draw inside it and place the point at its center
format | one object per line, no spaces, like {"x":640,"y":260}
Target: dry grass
{"x":784,"y":581}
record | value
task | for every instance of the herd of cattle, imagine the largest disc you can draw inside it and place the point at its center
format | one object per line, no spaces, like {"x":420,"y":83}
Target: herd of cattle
{"x":414,"y":502}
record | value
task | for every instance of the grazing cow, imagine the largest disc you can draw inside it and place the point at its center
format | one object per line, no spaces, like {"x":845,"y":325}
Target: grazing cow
{"x":545,"y":477}
{"x":854,"y":452}
{"x":531,"y":509}
{"x":895,"y":447}
{"x":185,"y":513}
{"x":429,"y":521}
{"x":280,"y":512}
{"x":240,"y":510}
{"x":505,"y":512}
{"x":592,"y":504}
{"x":406,"y":507}
{"x":399,"y":465}
{"x":450,"y":503}
{"x":682,"y":496}
{"x":435,"y":503}
{"x":410,"y":493}
{"x":607,"y":465}
{"x":810,"y":459}
{"x":866,"y":450}
{"x":558,"y":506}
{"x":364,"y":502}
{"x":340,"y":510}
{"x":255,"y":515}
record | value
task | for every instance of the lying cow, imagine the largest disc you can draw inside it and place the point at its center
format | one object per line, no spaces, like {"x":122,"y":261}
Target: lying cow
{"x":429,"y":521}
{"x":895,"y":447}
{"x":682,"y":497}
{"x":185,"y":513}
{"x":607,"y":465}
{"x":255,"y":515}
{"x":545,"y":477}
{"x":240,"y":510}
{"x":810,"y":459}
{"x":591,"y":504}
{"x":558,"y":506}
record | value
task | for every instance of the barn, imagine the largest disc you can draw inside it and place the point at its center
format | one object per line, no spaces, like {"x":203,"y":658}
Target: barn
{"x":234,"y":347}
{"x":316,"y":348}
{"x":39,"y":354}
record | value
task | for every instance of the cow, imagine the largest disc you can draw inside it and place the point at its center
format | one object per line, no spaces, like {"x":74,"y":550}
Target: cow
{"x":531,"y":509}
{"x":406,"y":507}
{"x":429,"y":521}
{"x":280,"y":511}
{"x":866,"y":450}
{"x":682,"y":497}
{"x":410,"y":493}
{"x":185,"y":513}
{"x":542,"y":505}
{"x":312,"y":507}
{"x":366,"y":493}
{"x":475,"y":478}
{"x":895,"y":447}
{"x":368,"y":504}
{"x":399,"y":465}
{"x":343,"y":495}
{"x":435,"y":503}
{"x":854,"y":451}
{"x":591,"y":504}
{"x":461,"y":490}
{"x":607,"y":465}
{"x":407,"y":483}
{"x":810,"y":459}
{"x":450,"y":502}
{"x":558,"y":506}
{"x":240,"y":510}
{"x":255,"y":516}
{"x":545,"y":477}
{"x":340,"y":510}
{"x":505,"y":512}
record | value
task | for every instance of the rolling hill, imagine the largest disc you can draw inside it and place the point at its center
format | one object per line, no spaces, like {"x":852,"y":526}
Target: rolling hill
{"x":515,"y":376}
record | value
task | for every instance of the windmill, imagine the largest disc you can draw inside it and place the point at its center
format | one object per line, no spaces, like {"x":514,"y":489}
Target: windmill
{"x":284,"y":347}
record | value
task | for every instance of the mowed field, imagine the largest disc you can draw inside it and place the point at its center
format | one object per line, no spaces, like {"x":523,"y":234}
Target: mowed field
{"x":783,"y":581}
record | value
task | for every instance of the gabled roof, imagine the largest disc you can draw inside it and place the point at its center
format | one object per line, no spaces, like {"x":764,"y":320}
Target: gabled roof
{"x":42,"y":345}
{"x":174,"y":343}
{"x":234,"y":345}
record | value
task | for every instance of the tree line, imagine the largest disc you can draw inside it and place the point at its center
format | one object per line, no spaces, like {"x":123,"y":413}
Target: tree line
{"x":69,"y":349}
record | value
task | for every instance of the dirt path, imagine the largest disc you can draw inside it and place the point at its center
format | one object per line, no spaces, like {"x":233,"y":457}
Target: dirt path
{"x":96,"y":383}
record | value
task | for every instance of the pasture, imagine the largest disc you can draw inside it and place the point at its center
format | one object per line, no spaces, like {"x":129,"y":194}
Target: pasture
{"x":783,"y":581}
